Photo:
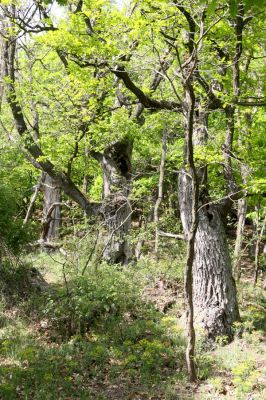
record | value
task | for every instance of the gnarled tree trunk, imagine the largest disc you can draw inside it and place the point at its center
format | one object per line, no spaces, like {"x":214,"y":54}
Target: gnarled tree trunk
{"x":116,"y":208}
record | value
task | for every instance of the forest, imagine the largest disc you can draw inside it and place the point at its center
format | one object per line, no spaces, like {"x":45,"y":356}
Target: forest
{"x":132,"y":199}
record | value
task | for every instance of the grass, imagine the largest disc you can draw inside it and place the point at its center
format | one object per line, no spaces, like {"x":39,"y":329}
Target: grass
{"x":105,"y":336}
{"x":238,"y":370}
{"x":102,"y":342}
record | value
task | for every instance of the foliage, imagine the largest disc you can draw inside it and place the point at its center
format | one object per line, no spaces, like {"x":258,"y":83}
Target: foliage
{"x":118,"y":339}
{"x":16,"y":180}
{"x":126,"y":343}
{"x":100,"y":326}
{"x":11,"y":225}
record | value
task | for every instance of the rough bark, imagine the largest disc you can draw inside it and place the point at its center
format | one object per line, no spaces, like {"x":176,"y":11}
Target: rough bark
{"x":51,"y":220}
{"x":215,"y":301}
{"x":191,"y":233}
{"x":116,"y":208}
{"x":214,"y":291}
{"x":215,"y":298}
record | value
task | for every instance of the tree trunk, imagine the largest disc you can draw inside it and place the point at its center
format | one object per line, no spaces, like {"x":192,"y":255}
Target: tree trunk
{"x":2,"y":68}
{"x":214,"y":291}
{"x":51,"y":220}
{"x":116,"y":208}
{"x":259,"y":236}
{"x":160,"y":194}
{"x":241,"y":219}
{"x":215,"y":298}
{"x":192,"y":231}
{"x":242,"y":203}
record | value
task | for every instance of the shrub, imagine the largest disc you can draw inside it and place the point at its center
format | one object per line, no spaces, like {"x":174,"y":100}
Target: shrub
{"x":12,"y":231}
{"x":96,"y":297}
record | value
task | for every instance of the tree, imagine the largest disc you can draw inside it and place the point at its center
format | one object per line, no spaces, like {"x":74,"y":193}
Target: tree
{"x":199,"y":75}
{"x":213,"y":281}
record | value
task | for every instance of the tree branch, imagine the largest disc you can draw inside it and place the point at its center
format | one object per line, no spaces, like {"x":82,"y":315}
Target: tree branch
{"x":147,"y":102}
{"x":35,"y":153}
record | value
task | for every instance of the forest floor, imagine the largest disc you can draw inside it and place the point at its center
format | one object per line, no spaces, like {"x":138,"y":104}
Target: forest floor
{"x":127,"y":350}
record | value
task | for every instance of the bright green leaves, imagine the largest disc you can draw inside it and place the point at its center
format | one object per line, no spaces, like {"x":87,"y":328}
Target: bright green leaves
{"x":111,"y":129}
{"x":78,"y":104}
{"x":144,"y":187}
{"x":257,"y":186}
{"x":147,"y":152}
{"x":257,"y":154}
{"x":95,"y":192}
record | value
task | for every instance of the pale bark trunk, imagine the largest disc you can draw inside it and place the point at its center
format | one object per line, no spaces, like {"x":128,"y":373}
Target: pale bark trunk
{"x":242,"y":203}
{"x":215,"y":298}
{"x":116,"y":208}
{"x":259,"y":235}
{"x":138,"y":249}
{"x":51,"y":223}
{"x":160,"y":193}
{"x":2,"y":68}
{"x":144,"y":224}
{"x":241,"y":220}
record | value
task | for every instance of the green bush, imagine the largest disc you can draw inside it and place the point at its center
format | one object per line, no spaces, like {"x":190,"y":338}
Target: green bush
{"x":97,"y":297}
{"x":12,"y":230}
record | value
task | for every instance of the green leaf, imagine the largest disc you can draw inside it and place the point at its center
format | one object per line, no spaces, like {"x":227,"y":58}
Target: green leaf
{"x":233,"y":7}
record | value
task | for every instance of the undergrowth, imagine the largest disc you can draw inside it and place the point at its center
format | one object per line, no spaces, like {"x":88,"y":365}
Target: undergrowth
{"x":92,"y":337}
{"x":99,"y":336}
